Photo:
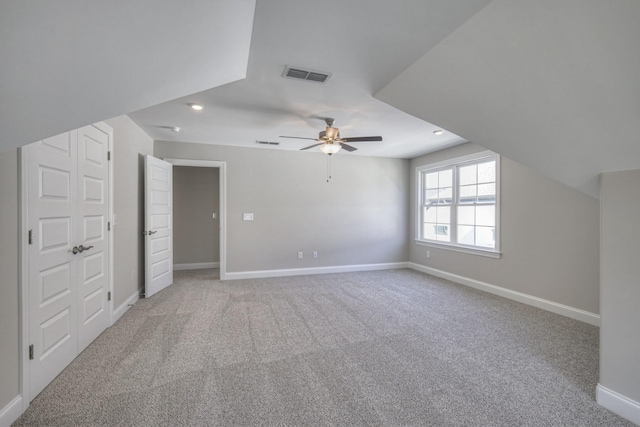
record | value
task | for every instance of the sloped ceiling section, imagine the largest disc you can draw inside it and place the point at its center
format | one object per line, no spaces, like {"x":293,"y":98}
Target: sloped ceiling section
{"x":68,"y":63}
{"x":551,"y":84}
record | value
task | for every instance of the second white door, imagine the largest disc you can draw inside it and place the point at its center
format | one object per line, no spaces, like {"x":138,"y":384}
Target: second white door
{"x":158,"y":224}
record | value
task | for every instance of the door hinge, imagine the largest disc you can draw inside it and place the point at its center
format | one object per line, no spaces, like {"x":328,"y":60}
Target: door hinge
{"x":109,"y":296}
{"x":109,"y":226}
{"x":108,"y":155}
{"x":31,"y":352}
{"x":31,"y":237}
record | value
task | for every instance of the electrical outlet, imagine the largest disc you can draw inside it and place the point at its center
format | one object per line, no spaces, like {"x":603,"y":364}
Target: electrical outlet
{"x":299,"y":255}
{"x":315,"y":254}
{"x":428,"y":254}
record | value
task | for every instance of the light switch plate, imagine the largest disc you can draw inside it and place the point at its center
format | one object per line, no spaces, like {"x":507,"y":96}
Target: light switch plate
{"x":247,"y":216}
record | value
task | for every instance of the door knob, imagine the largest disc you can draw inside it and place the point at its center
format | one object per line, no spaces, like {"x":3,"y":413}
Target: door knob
{"x":75,"y":250}
{"x":152,"y":232}
{"x":83,"y":248}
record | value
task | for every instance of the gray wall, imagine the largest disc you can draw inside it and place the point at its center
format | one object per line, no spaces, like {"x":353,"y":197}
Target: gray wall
{"x":620,"y":283}
{"x":9,"y":352}
{"x":131,"y":144}
{"x":360,"y":217}
{"x":196,"y":196}
{"x":549,"y":237}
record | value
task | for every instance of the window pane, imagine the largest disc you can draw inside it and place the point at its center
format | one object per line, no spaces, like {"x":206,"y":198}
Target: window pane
{"x":466,"y":235}
{"x":429,"y":214}
{"x":431,"y":195}
{"x":485,"y":237}
{"x":468,"y":175}
{"x":428,"y":231}
{"x":486,"y":215}
{"x":442,"y":233}
{"x":431,"y":180}
{"x":466,"y":215}
{"x":468,"y":193}
{"x":485,"y":190}
{"x":446,"y":195}
{"x":446,"y":178}
{"x":487,"y":172}
{"x":443,"y":214}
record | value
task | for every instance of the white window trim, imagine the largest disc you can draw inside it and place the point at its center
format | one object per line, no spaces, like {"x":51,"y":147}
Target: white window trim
{"x":488,"y":252}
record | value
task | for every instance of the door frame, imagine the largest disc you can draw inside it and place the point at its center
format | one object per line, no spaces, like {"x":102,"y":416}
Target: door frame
{"x":23,"y":260}
{"x":222,"y":166}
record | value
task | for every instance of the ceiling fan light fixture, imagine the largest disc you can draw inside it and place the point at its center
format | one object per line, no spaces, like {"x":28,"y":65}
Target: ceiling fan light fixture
{"x":330,"y":148}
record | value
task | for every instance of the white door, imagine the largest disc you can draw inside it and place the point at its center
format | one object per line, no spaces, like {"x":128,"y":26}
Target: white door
{"x":67,"y":193}
{"x":158,"y":242}
{"x":53,"y":290}
{"x":93,"y":261}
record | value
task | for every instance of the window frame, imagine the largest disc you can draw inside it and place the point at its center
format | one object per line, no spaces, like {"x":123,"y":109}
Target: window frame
{"x":455,"y":164}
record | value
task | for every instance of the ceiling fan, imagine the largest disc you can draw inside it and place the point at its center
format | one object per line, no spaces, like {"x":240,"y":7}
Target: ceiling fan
{"x":330,"y":141}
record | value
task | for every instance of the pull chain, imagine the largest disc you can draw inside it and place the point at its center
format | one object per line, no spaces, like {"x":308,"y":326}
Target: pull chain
{"x":329,"y":167}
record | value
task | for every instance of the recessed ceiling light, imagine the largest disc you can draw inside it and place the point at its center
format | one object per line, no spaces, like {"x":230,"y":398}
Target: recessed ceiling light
{"x":196,"y":107}
{"x":438,"y":132}
{"x":175,"y":128}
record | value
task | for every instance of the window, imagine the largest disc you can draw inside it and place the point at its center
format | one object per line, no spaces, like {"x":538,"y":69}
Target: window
{"x":458,"y":203}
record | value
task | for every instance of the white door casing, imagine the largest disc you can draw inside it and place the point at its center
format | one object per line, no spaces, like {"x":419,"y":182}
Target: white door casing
{"x":67,"y":195}
{"x":158,"y":242}
{"x":222,"y":171}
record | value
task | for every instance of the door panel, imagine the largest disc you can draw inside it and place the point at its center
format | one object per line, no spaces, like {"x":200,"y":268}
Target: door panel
{"x":93,"y":211}
{"x":158,"y":225}
{"x":52,"y":270}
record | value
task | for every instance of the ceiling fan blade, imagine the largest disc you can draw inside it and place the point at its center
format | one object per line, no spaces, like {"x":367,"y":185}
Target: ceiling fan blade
{"x":362,"y":139}
{"x":311,"y":146}
{"x":298,"y":137}
{"x":347,"y":147}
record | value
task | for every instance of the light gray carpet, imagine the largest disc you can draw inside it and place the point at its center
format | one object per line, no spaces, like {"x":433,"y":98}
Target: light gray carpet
{"x":395,"y":348}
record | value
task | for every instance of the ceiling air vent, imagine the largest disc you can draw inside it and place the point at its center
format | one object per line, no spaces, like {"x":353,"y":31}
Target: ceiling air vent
{"x":302,"y":74}
{"x":267,"y":143}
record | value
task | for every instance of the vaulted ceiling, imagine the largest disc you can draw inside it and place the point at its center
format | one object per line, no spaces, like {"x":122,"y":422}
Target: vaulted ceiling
{"x":552,"y":84}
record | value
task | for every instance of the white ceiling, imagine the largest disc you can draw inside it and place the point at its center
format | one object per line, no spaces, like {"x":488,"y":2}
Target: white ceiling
{"x":69,"y":63}
{"x":551,"y":84}
{"x":362,"y":43}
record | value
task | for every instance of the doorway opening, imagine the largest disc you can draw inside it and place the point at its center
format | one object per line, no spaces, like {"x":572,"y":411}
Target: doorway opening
{"x":213,"y":204}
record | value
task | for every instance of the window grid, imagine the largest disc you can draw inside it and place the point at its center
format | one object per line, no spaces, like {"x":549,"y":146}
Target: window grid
{"x":465,"y":204}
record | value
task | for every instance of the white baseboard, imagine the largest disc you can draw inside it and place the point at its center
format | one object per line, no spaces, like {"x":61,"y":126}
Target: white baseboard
{"x":313,"y":270}
{"x":118,"y":312}
{"x":196,"y":266}
{"x":554,"y":307}
{"x":11,"y":412}
{"x":618,"y":404}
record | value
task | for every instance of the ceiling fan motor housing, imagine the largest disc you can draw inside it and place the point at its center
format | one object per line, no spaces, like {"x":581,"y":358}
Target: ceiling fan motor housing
{"x":330,"y":134}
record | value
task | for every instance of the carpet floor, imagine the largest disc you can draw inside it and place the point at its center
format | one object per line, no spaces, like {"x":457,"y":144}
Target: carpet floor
{"x":381,"y":348}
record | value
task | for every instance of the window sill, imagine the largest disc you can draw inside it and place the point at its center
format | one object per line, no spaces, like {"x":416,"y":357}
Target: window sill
{"x":450,"y":247}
